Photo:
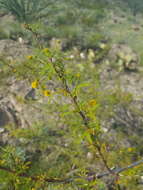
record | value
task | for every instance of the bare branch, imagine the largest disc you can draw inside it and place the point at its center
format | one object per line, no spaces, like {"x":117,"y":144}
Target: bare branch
{"x":117,"y":170}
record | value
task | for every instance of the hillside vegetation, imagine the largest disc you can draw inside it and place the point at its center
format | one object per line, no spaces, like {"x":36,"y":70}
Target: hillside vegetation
{"x":71,"y":94}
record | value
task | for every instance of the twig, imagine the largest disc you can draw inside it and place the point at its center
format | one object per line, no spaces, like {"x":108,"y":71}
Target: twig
{"x":118,"y":170}
{"x":34,"y":178}
{"x":81,"y":113}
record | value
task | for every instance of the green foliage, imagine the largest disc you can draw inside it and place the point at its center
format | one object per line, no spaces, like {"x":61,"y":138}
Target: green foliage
{"x":75,"y":21}
{"x":24,"y":10}
{"x":136,"y":6}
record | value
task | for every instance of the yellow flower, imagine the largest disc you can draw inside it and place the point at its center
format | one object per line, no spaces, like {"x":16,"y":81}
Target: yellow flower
{"x":34,"y":84}
{"x":29,"y":57}
{"x":77,"y":75}
{"x":14,"y":70}
{"x":46,"y":93}
{"x":121,"y":151}
{"x":102,"y":46}
{"x":2,"y":162}
{"x":26,"y":26}
{"x":130,"y":149}
{"x":46,"y":50}
{"x":92,"y":102}
{"x":17,"y":181}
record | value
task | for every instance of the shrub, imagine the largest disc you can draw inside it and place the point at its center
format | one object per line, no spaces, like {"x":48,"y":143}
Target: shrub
{"x":25,"y":10}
